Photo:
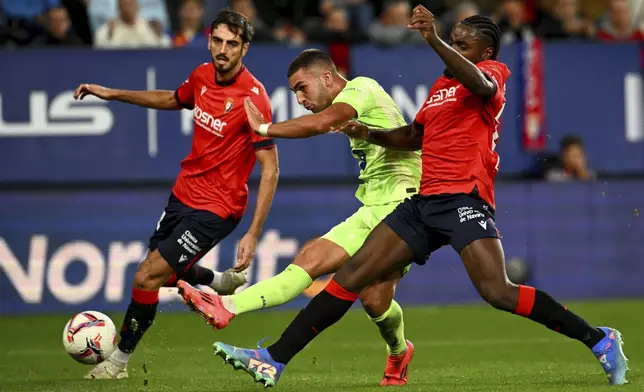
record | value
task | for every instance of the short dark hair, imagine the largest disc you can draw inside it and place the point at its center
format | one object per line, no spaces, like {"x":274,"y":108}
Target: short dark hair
{"x":390,"y":3}
{"x":309,"y":58}
{"x":569,"y":141}
{"x":236,"y":22}
{"x":487,"y":28}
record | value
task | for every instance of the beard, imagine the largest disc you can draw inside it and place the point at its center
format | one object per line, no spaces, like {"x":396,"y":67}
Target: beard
{"x":226,"y":67}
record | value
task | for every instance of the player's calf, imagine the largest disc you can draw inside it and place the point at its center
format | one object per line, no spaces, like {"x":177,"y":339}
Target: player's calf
{"x":483,"y":260}
{"x":152,"y":273}
{"x":376,"y":298}
{"x":149,"y":278}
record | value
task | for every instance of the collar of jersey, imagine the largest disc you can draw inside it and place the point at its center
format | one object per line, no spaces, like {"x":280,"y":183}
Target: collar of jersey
{"x":232,"y":80}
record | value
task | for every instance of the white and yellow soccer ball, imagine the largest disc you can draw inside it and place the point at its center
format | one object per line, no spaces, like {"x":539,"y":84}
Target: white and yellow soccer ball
{"x":89,"y":337}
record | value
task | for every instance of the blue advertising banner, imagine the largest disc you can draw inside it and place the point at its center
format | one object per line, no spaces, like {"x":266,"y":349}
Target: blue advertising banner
{"x":591,"y":90}
{"x":48,"y":136}
{"x":45,"y":136}
{"x":63,"y":251}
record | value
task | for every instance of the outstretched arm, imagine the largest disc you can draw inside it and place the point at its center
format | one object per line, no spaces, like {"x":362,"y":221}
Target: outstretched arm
{"x":301,"y":127}
{"x":159,"y":99}
{"x":464,"y":70}
{"x":407,"y":138}
{"x":270,"y":172}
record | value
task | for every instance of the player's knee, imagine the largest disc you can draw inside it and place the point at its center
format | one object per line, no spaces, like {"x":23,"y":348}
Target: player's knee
{"x":152,"y":273}
{"x":500,"y":295}
{"x":310,"y":260}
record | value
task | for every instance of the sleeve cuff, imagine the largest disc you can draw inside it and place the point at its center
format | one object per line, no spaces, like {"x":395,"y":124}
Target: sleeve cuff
{"x":183,"y":105}
{"x":264,"y":144}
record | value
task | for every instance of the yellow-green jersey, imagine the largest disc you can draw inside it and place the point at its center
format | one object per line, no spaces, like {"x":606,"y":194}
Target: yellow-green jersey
{"x":387,"y":175}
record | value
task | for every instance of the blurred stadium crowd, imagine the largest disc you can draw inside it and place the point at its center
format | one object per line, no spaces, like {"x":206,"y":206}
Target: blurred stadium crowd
{"x":183,"y":23}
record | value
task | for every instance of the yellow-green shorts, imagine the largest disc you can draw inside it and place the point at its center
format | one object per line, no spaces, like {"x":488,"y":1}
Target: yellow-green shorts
{"x":351,"y":234}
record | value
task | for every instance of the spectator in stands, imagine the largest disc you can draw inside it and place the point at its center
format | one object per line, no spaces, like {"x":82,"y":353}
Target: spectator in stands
{"x":102,"y":11}
{"x":59,"y":30}
{"x":572,"y":164}
{"x":247,"y":8}
{"x":211,"y":9}
{"x":620,"y":24}
{"x":513,"y":24}
{"x":286,"y":20}
{"x":79,"y":17}
{"x":191,"y":27}
{"x":128,"y":30}
{"x":335,"y":28}
{"x":454,"y":16}
{"x":391,"y":28}
{"x":157,"y":27}
{"x":337,"y":21}
{"x":359,"y":12}
{"x":565,"y":22}
{"x":637,"y":10}
{"x":290,"y":35}
{"x":25,"y":19}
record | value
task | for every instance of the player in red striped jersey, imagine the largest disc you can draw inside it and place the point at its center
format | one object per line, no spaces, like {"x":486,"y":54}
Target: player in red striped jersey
{"x":210,"y":194}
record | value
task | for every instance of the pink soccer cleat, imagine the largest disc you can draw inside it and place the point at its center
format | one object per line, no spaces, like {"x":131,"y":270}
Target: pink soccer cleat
{"x":208,"y":306}
{"x":396,"y":369}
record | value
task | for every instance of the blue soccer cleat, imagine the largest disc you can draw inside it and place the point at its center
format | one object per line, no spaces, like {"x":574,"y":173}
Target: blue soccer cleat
{"x":258,"y":363}
{"x":611,"y":356}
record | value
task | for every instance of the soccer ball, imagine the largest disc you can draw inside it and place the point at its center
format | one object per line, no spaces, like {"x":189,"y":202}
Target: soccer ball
{"x":517,"y":270}
{"x":89,"y":337}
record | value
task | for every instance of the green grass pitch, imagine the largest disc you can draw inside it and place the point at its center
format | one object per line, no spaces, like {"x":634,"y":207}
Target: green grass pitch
{"x":458,"y":348}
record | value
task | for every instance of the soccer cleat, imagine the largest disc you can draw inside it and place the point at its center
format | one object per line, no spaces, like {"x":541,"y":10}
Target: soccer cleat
{"x":107,"y":370}
{"x":258,"y":363}
{"x":208,"y":306}
{"x":611,"y":356}
{"x":396,"y":369}
{"x":230,"y":281}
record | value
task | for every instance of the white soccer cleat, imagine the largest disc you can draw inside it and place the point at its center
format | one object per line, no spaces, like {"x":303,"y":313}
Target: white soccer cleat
{"x":107,"y":370}
{"x":230,"y":281}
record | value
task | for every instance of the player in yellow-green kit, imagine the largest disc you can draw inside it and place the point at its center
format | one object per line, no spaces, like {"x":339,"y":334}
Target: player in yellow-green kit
{"x":387,"y":176}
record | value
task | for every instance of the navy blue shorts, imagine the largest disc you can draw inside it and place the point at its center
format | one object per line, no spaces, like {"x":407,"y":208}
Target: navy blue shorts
{"x":184,"y":234}
{"x":427,"y":223}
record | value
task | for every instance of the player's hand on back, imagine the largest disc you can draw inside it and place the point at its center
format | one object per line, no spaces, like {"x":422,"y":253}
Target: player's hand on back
{"x":245,"y":252}
{"x":255,"y":117}
{"x":354,"y":130}
{"x":92,"y":89}
{"x":423,"y":21}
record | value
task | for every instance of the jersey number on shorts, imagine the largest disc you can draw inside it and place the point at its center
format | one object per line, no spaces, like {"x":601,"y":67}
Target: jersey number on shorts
{"x":361,"y":157}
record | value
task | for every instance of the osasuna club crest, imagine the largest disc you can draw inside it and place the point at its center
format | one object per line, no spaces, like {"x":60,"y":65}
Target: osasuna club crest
{"x":229,"y":105}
